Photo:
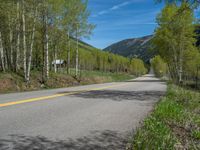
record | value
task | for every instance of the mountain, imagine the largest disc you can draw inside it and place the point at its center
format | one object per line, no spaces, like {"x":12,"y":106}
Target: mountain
{"x":135,"y":47}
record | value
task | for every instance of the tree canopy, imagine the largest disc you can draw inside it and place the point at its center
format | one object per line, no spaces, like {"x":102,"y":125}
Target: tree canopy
{"x":35,"y":33}
{"x":175,"y":39}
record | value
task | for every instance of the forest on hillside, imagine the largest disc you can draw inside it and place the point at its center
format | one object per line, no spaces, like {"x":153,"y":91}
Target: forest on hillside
{"x":42,"y":36}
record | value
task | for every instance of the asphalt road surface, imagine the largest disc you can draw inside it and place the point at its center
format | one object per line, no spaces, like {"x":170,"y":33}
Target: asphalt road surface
{"x":92,"y":117}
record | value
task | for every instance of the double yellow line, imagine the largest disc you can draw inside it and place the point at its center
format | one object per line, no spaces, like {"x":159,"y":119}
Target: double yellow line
{"x":55,"y":96}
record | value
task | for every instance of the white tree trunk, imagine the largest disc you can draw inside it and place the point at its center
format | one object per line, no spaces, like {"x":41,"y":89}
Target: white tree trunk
{"x":6,"y":61}
{"x":77,"y":53}
{"x":181,"y":63}
{"x":46,"y":47}
{"x":180,"y":70}
{"x":55,"y":58}
{"x":11,"y":41}
{"x":24,"y":40}
{"x":175,"y":63}
{"x":31,"y":47}
{"x":2,"y":53}
{"x":68,"y":55}
{"x":18,"y":39}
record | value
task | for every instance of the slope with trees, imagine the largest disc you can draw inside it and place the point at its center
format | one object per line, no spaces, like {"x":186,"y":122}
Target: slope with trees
{"x":36,"y":35}
{"x":136,"y":47}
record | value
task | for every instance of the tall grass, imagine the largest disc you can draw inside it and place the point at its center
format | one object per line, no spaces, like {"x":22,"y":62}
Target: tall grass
{"x":174,"y":124}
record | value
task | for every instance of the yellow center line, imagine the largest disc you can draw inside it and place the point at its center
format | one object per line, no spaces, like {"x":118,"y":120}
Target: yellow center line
{"x":55,"y":96}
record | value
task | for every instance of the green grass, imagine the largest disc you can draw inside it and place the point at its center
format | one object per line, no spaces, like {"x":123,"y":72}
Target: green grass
{"x":109,"y":76}
{"x":11,"y":82}
{"x":174,"y":124}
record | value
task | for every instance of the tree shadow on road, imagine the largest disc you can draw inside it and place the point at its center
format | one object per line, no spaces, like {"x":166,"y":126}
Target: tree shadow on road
{"x":121,"y":95}
{"x":106,"y":140}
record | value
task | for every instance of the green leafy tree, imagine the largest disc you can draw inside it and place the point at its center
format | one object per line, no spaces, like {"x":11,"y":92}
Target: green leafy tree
{"x":174,"y":36}
{"x":34,"y":33}
{"x":159,"y":66}
{"x":137,"y":67}
{"x":192,"y":65}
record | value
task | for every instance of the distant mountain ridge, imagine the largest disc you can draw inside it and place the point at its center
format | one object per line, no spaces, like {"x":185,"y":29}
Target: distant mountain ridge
{"x":135,"y":47}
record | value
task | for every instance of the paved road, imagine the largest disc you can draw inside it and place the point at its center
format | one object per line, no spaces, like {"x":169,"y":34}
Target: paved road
{"x":100,"y":116}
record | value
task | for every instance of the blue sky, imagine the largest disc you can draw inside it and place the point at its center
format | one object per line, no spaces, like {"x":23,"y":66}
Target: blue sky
{"x":121,"y":19}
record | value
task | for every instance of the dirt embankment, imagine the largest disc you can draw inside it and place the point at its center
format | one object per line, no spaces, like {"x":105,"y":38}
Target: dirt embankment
{"x":15,"y":83}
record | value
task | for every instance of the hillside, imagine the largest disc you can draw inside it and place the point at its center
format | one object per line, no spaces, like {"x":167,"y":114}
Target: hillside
{"x":135,"y":47}
{"x":83,"y":45}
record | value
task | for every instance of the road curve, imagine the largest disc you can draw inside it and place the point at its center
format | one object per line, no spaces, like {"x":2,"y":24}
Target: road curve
{"x":100,"y":116}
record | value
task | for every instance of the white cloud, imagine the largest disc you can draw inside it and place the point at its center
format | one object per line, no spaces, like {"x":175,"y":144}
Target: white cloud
{"x":120,"y":5}
{"x":102,"y":12}
{"x":115,"y":7}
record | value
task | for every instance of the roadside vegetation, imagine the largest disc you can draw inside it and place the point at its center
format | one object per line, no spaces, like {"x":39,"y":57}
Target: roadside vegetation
{"x":177,"y":43}
{"x":174,"y":124}
{"x":41,"y":38}
{"x":175,"y":121}
{"x":12,"y":82}
{"x":159,"y":66}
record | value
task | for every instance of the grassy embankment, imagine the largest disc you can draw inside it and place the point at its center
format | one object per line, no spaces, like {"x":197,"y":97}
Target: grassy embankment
{"x":11,"y":82}
{"x":174,"y":124}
